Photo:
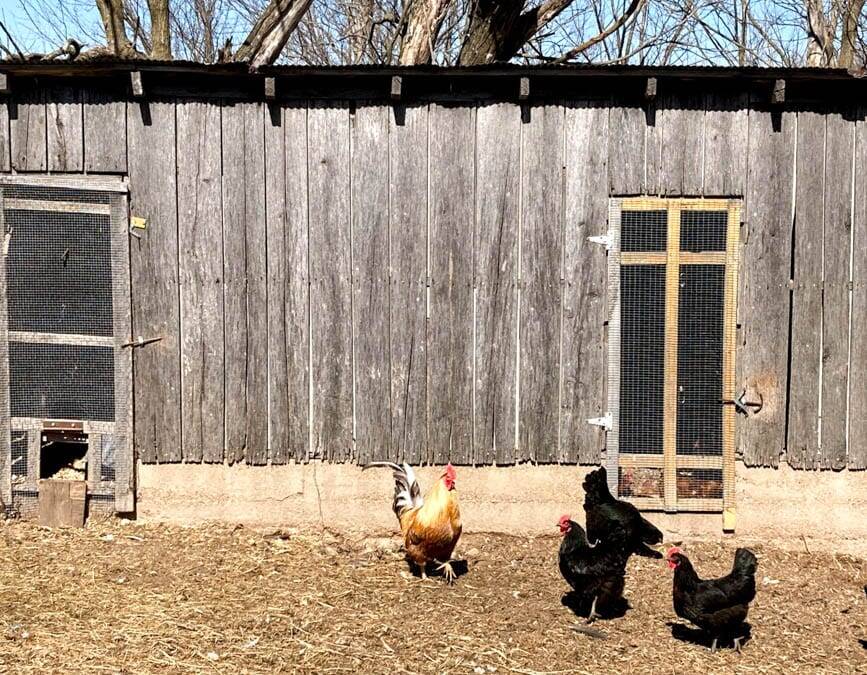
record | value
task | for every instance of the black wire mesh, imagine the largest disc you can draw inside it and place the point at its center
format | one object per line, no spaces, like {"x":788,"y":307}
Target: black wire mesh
{"x":108,"y":454}
{"x":643,"y":231}
{"x":703,"y":230}
{"x":642,"y":358}
{"x":700,"y":359}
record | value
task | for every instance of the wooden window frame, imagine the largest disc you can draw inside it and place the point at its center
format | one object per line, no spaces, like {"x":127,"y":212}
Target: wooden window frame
{"x":673,"y":258}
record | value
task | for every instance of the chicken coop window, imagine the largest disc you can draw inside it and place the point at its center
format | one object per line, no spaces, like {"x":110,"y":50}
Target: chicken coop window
{"x":672,"y":289}
{"x":64,"y":321}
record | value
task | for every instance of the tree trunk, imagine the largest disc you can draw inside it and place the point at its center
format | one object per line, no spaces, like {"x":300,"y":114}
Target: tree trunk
{"x":491,"y":32}
{"x":422,"y":28}
{"x":849,"y":39}
{"x":111,"y":13}
{"x":820,"y":39}
{"x":271,"y":32}
{"x":161,"y":41}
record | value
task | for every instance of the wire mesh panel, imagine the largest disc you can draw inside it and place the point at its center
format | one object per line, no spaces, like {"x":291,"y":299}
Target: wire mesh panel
{"x":674,"y":297}
{"x":64,"y":291}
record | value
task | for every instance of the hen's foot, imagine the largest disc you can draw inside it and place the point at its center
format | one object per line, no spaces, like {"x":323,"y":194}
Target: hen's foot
{"x":738,"y":644}
{"x":448,"y":571}
{"x":593,"y":615}
{"x":713,"y":646}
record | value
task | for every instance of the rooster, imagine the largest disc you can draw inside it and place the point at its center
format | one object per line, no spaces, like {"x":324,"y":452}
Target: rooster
{"x":595,"y":572}
{"x":717,"y":606}
{"x":431,"y":526}
{"x":612,"y":520}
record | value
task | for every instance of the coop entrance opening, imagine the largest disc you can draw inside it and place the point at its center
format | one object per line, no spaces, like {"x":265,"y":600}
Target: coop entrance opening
{"x":63,"y":455}
{"x":672,"y":282}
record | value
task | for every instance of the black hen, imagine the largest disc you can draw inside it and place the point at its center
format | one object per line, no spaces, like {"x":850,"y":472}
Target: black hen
{"x":717,"y":606}
{"x":595,"y":573}
{"x":611,"y":520}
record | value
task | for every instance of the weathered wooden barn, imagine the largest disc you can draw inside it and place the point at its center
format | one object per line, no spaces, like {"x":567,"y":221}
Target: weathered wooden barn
{"x":658,"y":269}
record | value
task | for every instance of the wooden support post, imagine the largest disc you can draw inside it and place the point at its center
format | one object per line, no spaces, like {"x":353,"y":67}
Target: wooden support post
{"x":650,"y":89}
{"x":524,"y":89}
{"x":4,"y":83}
{"x":396,"y":87}
{"x":135,"y":80}
{"x":778,"y":97}
{"x":270,"y":88}
{"x":672,"y":304}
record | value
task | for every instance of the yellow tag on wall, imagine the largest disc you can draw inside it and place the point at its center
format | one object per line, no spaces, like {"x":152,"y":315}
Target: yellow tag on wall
{"x":138,"y":223}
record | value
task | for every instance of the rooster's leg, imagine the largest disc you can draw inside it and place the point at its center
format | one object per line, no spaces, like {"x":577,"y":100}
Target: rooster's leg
{"x":738,"y":644}
{"x":592,"y":616}
{"x":713,"y":646}
{"x":448,"y":572}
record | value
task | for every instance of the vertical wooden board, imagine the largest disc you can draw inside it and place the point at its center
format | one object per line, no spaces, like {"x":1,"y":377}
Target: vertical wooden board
{"x":803,"y":442}
{"x":585,"y":270}
{"x":763,"y":302}
{"x":452,"y":188}
{"x":330,"y":281}
{"x":105,"y":133}
{"x":6,"y":465}
{"x":726,"y":137}
{"x":154,"y":274}
{"x":5,"y":162}
{"x":498,"y":162}
{"x":243,"y":194}
{"x":297,"y":294}
{"x":408,"y":208}
{"x":27,"y":131}
{"x":64,"y":118}
{"x":680,"y":121}
{"x":370,"y":282}
{"x":839,"y":149}
{"x":857,"y":441}
{"x":626,"y":156}
{"x":201,"y":280}
{"x":541,"y":271}
{"x":277,"y":285}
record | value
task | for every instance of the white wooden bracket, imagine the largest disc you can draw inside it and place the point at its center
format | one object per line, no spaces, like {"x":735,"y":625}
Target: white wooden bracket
{"x":604,"y":422}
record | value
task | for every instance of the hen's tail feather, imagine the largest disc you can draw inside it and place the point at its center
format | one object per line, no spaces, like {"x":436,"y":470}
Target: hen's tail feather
{"x":596,"y":486}
{"x":407,"y":493}
{"x":745,"y":562}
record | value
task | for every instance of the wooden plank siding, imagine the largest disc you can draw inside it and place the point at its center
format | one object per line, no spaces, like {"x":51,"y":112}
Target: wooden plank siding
{"x":803,"y":441}
{"x":498,"y":155}
{"x":244,"y":274}
{"x":680,"y":127}
{"x":540,"y":283}
{"x":154,"y":265}
{"x":408,"y":222}
{"x":200,"y":244}
{"x":764,"y":296}
{"x":857,"y":440}
{"x":5,"y":157}
{"x":837,"y":233}
{"x":28,"y":134}
{"x":585,"y":278}
{"x":65,"y":128}
{"x":105,"y":133}
{"x":370,"y":283}
{"x":330,"y":274}
{"x":450,"y":329}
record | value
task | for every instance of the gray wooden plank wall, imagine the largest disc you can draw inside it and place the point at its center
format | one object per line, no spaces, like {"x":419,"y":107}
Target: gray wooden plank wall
{"x":361,"y":282}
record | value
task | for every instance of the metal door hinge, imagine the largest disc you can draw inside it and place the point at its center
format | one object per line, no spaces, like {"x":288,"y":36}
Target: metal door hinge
{"x":140,"y":342}
{"x":605,"y":239}
{"x":604,"y":422}
{"x":748,"y":408}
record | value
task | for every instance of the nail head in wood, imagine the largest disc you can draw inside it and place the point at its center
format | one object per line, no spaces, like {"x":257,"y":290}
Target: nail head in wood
{"x":135,"y":80}
{"x":524,"y":89}
{"x":4,"y":83}
{"x":396,"y":87}
{"x":779,"y":95}
{"x":270,"y":88}
{"x":650,"y":89}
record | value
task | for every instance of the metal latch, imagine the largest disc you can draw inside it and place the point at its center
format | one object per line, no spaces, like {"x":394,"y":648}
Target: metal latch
{"x":604,"y":422}
{"x":141,"y":342}
{"x":748,"y":408}
{"x":605,"y":239}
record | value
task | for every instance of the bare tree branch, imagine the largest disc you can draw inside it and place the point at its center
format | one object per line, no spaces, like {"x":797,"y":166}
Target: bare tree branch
{"x":271,"y":32}
{"x":634,"y":6}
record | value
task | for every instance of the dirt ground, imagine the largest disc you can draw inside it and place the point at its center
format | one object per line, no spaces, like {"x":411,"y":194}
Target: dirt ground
{"x":123,"y":597}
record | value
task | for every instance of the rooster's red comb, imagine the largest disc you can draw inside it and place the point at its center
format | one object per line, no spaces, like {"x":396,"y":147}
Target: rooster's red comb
{"x":673,"y":550}
{"x":450,"y":472}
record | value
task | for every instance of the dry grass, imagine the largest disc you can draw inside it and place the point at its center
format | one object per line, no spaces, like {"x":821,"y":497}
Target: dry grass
{"x":132,"y":598}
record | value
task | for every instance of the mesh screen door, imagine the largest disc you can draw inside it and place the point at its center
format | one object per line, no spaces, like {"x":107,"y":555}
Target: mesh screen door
{"x":672,"y":281}
{"x":64,"y":320}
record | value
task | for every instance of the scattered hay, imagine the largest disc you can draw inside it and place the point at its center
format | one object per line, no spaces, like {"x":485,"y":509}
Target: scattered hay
{"x":121,"y":597}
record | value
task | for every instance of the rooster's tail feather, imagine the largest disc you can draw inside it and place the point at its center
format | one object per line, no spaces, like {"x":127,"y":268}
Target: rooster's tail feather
{"x":407,"y":494}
